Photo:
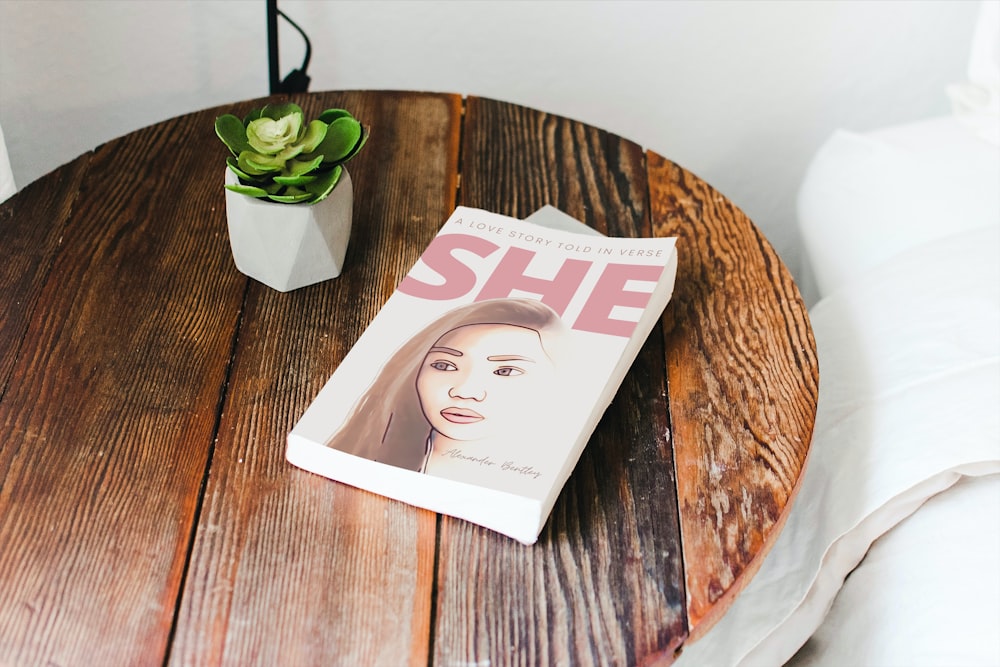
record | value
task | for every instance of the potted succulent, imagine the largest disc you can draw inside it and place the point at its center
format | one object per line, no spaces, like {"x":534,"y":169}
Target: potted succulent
{"x":289,"y":198}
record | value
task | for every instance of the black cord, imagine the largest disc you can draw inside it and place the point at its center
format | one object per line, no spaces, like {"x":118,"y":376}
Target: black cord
{"x":297,"y":80}
{"x":305,"y":61}
{"x":273,"y":74}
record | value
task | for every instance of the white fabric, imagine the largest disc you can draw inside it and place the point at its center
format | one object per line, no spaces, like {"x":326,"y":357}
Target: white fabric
{"x":7,"y":187}
{"x":909,"y":395}
{"x":907,"y":603}
{"x":868,"y":197}
{"x":976,"y":102}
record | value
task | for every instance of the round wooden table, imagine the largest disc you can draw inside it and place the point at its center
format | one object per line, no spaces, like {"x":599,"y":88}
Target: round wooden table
{"x":147,"y":514}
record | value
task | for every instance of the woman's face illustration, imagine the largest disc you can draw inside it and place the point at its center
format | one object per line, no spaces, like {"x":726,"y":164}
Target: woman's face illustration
{"x":481,"y":379}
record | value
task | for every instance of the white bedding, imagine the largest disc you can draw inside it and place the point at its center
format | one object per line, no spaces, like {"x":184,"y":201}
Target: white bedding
{"x":868,"y":197}
{"x":908,"y":602}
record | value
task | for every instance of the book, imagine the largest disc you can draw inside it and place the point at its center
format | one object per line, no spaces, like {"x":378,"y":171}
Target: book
{"x":476,"y":387}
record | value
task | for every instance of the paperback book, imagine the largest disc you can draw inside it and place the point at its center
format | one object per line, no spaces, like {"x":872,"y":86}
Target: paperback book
{"x":476,"y":387}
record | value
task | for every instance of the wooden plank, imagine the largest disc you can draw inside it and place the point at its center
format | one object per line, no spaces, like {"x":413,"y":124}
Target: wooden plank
{"x":31,"y":232}
{"x":289,"y":567}
{"x":604,"y":584}
{"x":743,"y":379}
{"x":111,"y":406}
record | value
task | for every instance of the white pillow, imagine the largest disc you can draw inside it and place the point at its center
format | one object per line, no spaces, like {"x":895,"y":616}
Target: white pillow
{"x":867,"y":197}
{"x":927,"y":592}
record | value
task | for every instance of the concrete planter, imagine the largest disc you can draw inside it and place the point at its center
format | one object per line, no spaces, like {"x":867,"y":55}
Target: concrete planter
{"x":288,"y":246}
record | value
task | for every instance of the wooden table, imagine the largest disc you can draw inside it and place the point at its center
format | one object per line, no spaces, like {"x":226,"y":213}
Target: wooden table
{"x":147,"y":515}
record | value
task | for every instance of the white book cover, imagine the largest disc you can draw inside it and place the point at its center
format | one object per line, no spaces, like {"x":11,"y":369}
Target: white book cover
{"x":475,"y":388}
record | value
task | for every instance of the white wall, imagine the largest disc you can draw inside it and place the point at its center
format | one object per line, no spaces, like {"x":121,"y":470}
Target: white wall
{"x":74,"y":74}
{"x":741,"y":93}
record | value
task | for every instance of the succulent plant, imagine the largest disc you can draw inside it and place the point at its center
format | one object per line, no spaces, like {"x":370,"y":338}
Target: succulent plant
{"x":280,"y":157}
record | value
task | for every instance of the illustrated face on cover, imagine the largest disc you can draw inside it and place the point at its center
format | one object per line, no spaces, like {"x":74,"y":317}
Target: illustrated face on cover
{"x":484,"y":380}
{"x":481,"y":376}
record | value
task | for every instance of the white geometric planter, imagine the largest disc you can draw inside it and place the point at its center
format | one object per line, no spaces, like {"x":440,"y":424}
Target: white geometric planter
{"x":288,"y":246}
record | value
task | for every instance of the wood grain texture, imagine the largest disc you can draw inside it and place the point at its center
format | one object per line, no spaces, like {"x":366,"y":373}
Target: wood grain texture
{"x":603,"y":585}
{"x":147,"y":514}
{"x":31,"y":226}
{"x":289,"y":567}
{"x":111,"y":408}
{"x":743,"y":381}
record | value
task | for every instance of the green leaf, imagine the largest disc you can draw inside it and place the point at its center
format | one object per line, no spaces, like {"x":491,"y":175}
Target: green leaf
{"x":270,"y":137}
{"x":248,"y":190}
{"x":295,"y":180}
{"x":233,"y":134}
{"x":292,"y":196}
{"x":331,"y":115}
{"x":289,"y":152}
{"x":325,"y":183}
{"x":358,"y":146}
{"x":247,"y":168}
{"x":256,"y":164}
{"x":299,"y":167}
{"x":342,"y":137}
{"x":234,"y":167}
{"x":315,"y":133}
{"x":253,"y":115}
{"x":278,"y":111}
